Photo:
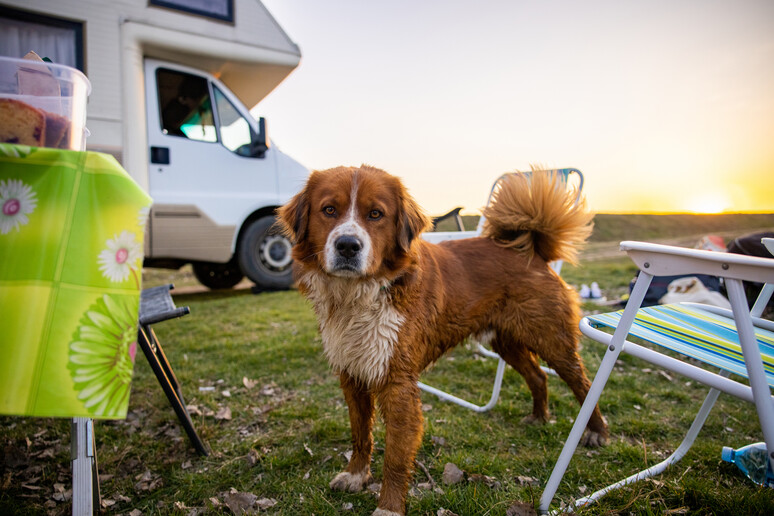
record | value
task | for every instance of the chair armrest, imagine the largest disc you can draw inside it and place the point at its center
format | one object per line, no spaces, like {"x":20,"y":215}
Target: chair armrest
{"x":665,"y":260}
{"x":156,"y":305}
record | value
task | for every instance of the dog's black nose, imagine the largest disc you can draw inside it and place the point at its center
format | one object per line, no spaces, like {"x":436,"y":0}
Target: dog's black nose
{"x":348,"y":246}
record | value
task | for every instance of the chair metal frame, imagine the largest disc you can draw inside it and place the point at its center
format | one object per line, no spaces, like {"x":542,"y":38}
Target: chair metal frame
{"x":156,"y":305}
{"x":660,"y":260}
{"x":441,"y":236}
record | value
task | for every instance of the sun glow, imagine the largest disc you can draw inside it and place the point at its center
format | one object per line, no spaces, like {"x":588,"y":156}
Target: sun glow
{"x":708,"y":203}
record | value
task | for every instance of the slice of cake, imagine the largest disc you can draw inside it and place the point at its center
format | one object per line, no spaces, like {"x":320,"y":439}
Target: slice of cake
{"x":21,"y":123}
{"x":56,"y":129}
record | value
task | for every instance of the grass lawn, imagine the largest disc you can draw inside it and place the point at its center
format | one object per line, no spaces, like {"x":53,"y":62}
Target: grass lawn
{"x":265,"y":401}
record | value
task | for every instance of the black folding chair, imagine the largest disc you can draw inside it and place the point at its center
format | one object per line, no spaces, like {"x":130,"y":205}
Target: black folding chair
{"x":156,"y":305}
{"x":455,"y":214}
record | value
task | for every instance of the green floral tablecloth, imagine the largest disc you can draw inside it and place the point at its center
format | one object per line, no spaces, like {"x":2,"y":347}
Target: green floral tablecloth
{"x":71,"y":246}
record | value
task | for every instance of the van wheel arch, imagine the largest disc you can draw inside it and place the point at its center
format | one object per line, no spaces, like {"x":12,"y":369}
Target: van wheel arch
{"x":263,"y":253}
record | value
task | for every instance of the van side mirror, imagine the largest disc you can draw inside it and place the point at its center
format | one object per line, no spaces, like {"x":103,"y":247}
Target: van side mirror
{"x":260,"y":142}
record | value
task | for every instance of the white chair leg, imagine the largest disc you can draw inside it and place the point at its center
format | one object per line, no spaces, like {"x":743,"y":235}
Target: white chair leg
{"x":472,"y":406}
{"x":752,"y":357}
{"x":762,"y":300}
{"x":679,"y":453}
{"x":597,"y":386}
{"x":491,"y":354}
{"x":592,"y":398}
{"x":495,"y":389}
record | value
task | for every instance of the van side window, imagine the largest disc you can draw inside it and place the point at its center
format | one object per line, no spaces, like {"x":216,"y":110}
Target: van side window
{"x":186,"y":108}
{"x":235,"y":132}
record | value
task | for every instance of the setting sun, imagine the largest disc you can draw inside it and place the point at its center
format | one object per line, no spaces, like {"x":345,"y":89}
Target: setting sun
{"x":709,"y":203}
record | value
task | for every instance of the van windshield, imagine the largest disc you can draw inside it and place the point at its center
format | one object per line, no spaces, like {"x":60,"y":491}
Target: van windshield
{"x":235,"y":132}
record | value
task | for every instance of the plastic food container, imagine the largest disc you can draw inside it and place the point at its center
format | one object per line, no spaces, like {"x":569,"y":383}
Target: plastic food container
{"x":42,"y":104}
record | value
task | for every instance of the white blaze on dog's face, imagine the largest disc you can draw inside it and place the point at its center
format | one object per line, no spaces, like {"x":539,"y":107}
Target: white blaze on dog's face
{"x":353,"y":223}
{"x":348,"y":249}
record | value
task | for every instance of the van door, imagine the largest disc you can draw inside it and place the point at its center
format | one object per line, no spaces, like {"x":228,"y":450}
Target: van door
{"x":205,"y":175}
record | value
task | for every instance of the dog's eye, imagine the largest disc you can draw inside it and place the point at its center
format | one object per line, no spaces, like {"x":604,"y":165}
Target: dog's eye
{"x":375,"y":215}
{"x":329,"y":211}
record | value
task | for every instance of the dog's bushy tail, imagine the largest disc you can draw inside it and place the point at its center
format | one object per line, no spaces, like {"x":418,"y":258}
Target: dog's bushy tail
{"x":537,"y":214}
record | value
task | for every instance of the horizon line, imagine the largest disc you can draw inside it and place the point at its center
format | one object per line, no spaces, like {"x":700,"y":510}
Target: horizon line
{"x":692,"y":213}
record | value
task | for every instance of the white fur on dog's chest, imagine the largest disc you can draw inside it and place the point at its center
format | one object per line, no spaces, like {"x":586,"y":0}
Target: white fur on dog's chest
{"x":358,"y":323}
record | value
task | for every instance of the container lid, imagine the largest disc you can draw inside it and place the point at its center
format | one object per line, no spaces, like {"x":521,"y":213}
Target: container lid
{"x":9,"y":66}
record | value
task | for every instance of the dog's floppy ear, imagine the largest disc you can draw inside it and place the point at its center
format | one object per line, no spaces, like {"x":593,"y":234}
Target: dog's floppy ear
{"x":412,"y":221}
{"x":293,"y":217}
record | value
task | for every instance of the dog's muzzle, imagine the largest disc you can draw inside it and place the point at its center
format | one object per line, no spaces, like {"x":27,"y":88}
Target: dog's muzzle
{"x":348,"y":253}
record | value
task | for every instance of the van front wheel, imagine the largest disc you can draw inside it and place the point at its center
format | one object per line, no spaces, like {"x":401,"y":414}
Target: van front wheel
{"x":264,"y":255}
{"x":217,"y":275}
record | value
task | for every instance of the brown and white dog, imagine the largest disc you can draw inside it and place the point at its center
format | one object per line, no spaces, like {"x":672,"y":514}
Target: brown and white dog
{"x":389,"y":304}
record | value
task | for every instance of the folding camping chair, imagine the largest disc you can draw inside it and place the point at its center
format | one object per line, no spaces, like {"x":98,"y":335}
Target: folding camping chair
{"x":452,"y":214}
{"x":572,"y":178}
{"x":156,"y":305}
{"x":736,"y":341}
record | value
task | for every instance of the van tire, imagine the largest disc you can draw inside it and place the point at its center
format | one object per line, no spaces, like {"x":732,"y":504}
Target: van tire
{"x":217,"y":276}
{"x":264,"y":255}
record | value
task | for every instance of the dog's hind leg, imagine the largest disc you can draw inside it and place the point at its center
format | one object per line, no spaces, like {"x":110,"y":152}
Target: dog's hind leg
{"x":526,"y":364}
{"x":568,"y":365}
{"x":361,"y":417}
{"x":401,"y":409}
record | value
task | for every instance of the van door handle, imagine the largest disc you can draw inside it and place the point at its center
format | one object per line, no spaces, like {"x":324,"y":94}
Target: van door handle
{"x":159,"y":155}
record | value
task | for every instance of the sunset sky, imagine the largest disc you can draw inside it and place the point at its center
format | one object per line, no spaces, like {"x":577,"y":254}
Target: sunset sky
{"x":665,"y":105}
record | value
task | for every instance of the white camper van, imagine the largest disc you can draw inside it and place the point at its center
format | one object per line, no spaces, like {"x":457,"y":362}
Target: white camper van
{"x":171,"y":80}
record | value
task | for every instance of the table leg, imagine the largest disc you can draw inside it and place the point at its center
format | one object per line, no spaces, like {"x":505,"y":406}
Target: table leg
{"x":83,"y":451}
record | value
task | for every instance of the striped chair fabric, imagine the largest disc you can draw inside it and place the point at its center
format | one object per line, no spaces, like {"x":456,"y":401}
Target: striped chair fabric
{"x":696,"y":333}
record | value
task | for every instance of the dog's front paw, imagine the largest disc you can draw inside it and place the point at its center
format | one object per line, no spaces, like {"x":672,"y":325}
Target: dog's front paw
{"x":594,"y":439}
{"x":382,"y":512}
{"x":532,"y":419}
{"x":351,"y":482}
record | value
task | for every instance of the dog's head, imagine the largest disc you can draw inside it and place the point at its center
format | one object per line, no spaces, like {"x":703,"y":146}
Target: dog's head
{"x":353,"y":222}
